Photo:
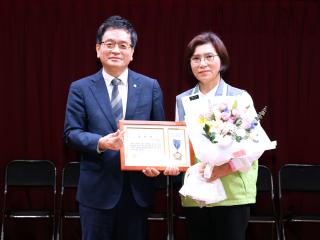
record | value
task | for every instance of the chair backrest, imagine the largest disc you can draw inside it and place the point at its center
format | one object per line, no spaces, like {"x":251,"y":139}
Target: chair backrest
{"x":264,"y":181}
{"x":264,"y":210}
{"x":265,"y":204}
{"x":30,"y":173}
{"x":70,"y":174}
{"x":299,"y":177}
{"x":69,"y":184}
{"x":299,"y":188}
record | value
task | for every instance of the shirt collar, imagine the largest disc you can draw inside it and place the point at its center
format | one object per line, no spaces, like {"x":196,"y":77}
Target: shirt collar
{"x":123,"y":77}
{"x":212,"y":92}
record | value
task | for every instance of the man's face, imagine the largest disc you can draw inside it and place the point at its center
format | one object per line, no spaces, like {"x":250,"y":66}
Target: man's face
{"x":115,"y":51}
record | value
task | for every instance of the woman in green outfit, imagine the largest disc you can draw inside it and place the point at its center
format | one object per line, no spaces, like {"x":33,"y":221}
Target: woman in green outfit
{"x":207,"y":60}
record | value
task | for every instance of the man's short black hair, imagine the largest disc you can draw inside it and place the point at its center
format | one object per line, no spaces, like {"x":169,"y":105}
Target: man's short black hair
{"x":117,"y":22}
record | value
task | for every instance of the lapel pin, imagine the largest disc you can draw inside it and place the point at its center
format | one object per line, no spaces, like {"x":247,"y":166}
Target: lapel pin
{"x":134,"y":85}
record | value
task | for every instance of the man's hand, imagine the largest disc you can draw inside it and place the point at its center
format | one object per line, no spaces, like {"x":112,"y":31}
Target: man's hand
{"x":112,"y":141}
{"x":171,"y":171}
{"x":150,"y":172}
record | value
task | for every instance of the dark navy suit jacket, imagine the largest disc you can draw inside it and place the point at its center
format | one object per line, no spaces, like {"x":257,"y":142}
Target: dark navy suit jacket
{"x":89,"y":117}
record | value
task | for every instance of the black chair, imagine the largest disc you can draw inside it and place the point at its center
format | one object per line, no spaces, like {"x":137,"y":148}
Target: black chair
{"x":264,"y":211}
{"x":31,"y":183}
{"x":69,"y":209}
{"x":296,"y":181}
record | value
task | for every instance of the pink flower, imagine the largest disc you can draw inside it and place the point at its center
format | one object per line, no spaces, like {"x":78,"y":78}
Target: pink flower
{"x":235,"y":112}
{"x":232,"y":119}
{"x":225,"y":116}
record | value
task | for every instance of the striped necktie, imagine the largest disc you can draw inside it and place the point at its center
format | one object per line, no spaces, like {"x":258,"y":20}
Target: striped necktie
{"x":116,"y":102}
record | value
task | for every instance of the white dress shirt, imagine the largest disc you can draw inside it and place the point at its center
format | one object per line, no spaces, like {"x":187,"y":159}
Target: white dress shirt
{"x":122,"y":87}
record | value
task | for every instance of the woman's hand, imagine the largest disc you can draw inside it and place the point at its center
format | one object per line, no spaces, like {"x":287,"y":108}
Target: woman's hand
{"x":217,"y":172}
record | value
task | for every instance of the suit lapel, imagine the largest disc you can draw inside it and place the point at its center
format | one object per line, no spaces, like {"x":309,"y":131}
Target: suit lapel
{"x":134,"y":91}
{"x":100,"y":92}
{"x":219,"y":91}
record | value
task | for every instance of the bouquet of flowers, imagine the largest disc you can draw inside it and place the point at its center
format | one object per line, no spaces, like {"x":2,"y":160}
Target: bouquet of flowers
{"x":222,"y":128}
{"x":226,"y":124}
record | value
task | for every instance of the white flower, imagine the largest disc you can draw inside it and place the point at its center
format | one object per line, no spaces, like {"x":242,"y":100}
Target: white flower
{"x":222,"y":106}
{"x":224,"y":128}
{"x":216,"y":124}
{"x":254,"y":136}
{"x":225,"y":141}
{"x":241,"y":132}
{"x":217,"y":114}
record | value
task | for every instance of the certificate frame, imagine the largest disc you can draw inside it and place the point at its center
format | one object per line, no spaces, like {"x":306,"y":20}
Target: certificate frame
{"x":155,"y":144}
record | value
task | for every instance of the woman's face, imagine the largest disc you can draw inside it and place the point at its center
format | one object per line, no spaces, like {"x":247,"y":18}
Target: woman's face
{"x":205,"y":65}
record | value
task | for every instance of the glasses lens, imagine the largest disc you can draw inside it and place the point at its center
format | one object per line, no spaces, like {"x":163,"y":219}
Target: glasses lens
{"x":207,"y":58}
{"x":111,"y":45}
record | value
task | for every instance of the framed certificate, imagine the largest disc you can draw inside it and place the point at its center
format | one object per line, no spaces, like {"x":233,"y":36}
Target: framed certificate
{"x":156,"y":144}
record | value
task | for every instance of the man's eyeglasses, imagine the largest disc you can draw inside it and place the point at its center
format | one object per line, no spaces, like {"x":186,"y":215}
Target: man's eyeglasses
{"x":207,"y":58}
{"x":110,"y":45}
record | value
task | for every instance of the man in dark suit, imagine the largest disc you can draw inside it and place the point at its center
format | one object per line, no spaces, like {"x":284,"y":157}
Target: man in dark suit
{"x":113,"y":204}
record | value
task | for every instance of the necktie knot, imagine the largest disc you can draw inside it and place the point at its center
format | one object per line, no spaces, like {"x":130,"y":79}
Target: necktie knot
{"x":115,"y":82}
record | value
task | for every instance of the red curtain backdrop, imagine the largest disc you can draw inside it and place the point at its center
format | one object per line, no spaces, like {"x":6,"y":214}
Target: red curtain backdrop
{"x":45,"y":45}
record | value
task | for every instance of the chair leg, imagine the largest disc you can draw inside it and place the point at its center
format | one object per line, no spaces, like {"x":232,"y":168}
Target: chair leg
{"x":272,"y":231}
{"x":60,"y":229}
{"x":283,"y":235}
{"x":2,"y":229}
{"x":54,"y":230}
{"x":278,"y":231}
